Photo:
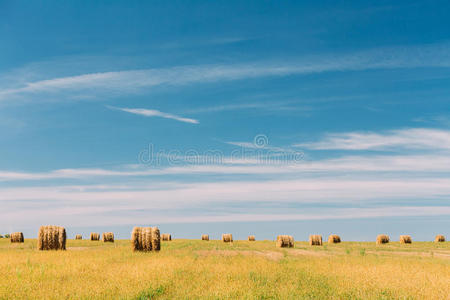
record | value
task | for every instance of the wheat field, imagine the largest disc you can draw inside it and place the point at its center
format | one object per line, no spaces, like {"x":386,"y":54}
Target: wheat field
{"x":195,"y":269}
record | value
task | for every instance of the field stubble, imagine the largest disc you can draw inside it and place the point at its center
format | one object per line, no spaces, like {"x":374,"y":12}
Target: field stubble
{"x":215,"y":270}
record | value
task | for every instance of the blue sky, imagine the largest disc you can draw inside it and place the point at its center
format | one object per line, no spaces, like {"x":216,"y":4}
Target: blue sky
{"x":261,"y":117}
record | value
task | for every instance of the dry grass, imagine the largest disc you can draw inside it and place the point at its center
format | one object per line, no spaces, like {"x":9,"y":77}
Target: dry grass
{"x":382,"y":239}
{"x":439,"y":238}
{"x":227,"y":238}
{"x":405,"y":239}
{"x":251,"y":238}
{"x":95,"y":236}
{"x":108,"y":237}
{"x":51,"y":237}
{"x":205,"y":237}
{"x":192,"y":269}
{"x":315,"y":240}
{"x":17,"y":237}
{"x":334,"y":239}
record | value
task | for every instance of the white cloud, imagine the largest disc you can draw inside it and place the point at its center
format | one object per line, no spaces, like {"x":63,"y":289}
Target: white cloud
{"x":127,"y":81}
{"x":348,"y":181}
{"x":94,"y":216}
{"x":414,"y":138}
{"x":155,"y":113}
{"x":172,"y":202}
{"x":435,"y":120}
{"x":167,"y":195}
{"x":228,"y":107}
{"x":288,"y":190}
{"x":266,"y":106}
{"x":363,"y":165}
{"x":263,"y":146}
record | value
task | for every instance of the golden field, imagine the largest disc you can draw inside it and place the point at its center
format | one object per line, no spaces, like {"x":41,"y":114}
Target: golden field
{"x":195,"y":269}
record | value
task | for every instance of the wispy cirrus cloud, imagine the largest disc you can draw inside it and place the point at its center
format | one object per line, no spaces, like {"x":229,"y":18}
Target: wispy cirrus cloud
{"x":132,"y":81}
{"x":228,"y":107}
{"x":428,"y":163}
{"x":435,"y":120}
{"x":333,"y":198}
{"x":203,"y":42}
{"x":412,"y":138}
{"x":307,"y":190}
{"x":430,"y":147}
{"x":155,"y":113}
{"x":95,"y":215}
{"x":430,"y":155}
{"x":347,"y":187}
{"x":267,"y":106}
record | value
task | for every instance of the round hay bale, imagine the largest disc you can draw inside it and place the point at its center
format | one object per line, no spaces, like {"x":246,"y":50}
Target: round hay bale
{"x":166,"y":237}
{"x":382,"y":239}
{"x":62,"y":237}
{"x":334,"y":239}
{"x":40,"y":240}
{"x":136,"y":241}
{"x":315,"y":240}
{"x":251,"y":238}
{"x":108,"y":237}
{"x":155,"y":238}
{"x":95,"y":236}
{"x":405,"y":239}
{"x":78,"y":237}
{"x":144,"y":239}
{"x":439,"y":238}
{"x":205,"y":237}
{"x":16,"y":237}
{"x":52,"y":238}
{"x":285,"y":241}
{"x":227,"y":238}
{"x":147,"y":239}
{"x":291,"y":241}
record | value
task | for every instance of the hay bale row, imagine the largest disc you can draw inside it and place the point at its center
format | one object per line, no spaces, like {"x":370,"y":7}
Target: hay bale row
{"x":334,"y":239}
{"x":95,"y":236}
{"x":382,"y":239}
{"x":78,"y":237}
{"x":285,"y":241}
{"x":16,"y":237}
{"x":251,"y":238}
{"x":405,"y":239}
{"x":108,"y":237}
{"x":166,"y":237}
{"x":227,"y":238}
{"x":145,"y":239}
{"x":315,"y":240}
{"x":52,"y":238}
{"x":205,"y":237}
{"x":439,"y":238}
